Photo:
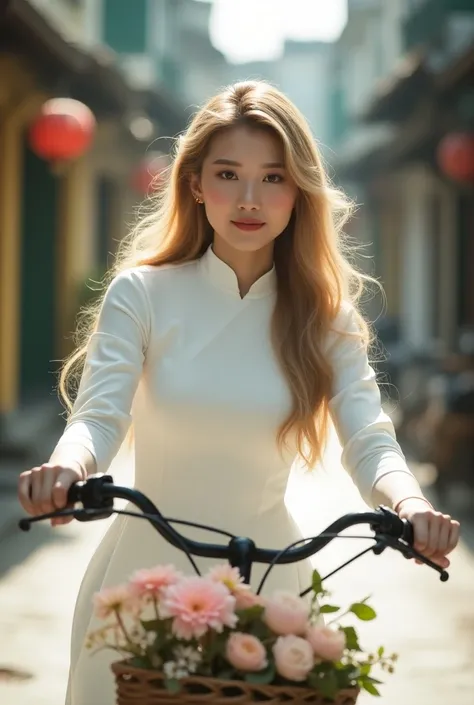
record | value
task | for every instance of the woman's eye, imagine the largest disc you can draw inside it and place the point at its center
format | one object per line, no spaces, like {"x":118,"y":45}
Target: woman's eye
{"x":274,"y":178}
{"x":226,"y":175}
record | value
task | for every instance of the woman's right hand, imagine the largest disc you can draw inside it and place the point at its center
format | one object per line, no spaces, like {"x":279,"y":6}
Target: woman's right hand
{"x":44,"y":488}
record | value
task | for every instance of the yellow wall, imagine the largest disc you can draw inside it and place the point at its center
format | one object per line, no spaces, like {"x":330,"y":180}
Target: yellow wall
{"x":19,"y":101}
{"x":75,"y":246}
{"x":111,"y":154}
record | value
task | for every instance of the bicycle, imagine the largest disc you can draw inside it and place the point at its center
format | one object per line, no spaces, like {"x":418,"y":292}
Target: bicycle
{"x":96,"y":496}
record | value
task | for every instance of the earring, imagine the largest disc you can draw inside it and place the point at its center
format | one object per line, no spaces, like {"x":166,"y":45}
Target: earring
{"x":198,"y":200}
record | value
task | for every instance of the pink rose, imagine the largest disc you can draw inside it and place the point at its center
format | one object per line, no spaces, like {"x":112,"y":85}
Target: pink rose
{"x":294,"y":657}
{"x":245,"y":652}
{"x":246,"y":600}
{"x":286,"y":614}
{"x":326,"y":643}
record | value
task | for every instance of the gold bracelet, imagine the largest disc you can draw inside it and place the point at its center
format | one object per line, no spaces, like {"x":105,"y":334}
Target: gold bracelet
{"x":423,"y":499}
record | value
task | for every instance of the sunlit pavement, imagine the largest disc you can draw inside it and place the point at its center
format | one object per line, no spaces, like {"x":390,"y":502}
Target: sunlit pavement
{"x":430,"y":624}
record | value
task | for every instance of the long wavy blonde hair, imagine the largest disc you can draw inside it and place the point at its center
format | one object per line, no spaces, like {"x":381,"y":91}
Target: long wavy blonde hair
{"x":312,"y":261}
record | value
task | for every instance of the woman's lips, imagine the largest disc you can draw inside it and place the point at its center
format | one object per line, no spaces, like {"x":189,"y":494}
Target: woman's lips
{"x":248,"y":226}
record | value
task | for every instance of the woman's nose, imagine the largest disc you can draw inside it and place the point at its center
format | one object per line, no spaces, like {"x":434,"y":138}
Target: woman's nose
{"x":249,"y":198}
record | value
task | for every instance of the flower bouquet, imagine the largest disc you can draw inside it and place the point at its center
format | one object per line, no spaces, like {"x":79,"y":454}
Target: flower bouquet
{"x":211,"y":639}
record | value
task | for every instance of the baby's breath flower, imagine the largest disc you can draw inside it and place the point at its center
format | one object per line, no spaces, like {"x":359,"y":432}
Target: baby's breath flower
{"x":169,"y":669}
{"x":186,"y":662}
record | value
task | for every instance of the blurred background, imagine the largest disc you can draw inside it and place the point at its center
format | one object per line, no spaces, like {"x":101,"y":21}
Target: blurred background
{"x":91,"y":94}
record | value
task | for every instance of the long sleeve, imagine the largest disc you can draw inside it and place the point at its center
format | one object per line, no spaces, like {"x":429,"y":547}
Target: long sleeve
{"x":370,"y":450}
{"x":101,"y":414}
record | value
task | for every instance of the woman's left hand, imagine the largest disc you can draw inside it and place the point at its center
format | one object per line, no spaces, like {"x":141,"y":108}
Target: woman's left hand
{"x":436,"y":534}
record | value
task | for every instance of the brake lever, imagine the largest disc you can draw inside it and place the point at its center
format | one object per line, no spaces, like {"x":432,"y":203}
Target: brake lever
{"x":383,"y":541}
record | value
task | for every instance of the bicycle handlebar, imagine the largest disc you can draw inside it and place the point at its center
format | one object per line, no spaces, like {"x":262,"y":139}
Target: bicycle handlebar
{"x":97,"y":494}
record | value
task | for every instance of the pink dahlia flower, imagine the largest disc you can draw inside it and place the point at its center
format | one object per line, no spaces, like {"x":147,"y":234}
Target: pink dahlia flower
{"x":231,"y":578}
{"x":152,"y":581}
{"x":196,"y":605}
{"x":114,"y":599}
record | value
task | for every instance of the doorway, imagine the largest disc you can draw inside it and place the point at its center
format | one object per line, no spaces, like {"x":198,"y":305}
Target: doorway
{"x":38,"y":279}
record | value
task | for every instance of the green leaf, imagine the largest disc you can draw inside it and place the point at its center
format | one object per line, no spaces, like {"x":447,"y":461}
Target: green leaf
{"x":172,"y":685}
{"x":346,"y":676}
{"x":249,"y":615}
{"x":351,"y":672}
{"x":138,"y":662}
{"x":326,"y":609}
{"x":262,"y":677}
{"x":216,"y":645}
{"x":317,"y":583}
{"x":374,"y":680}
{"x":253,"y":612}
{"x":352,"y":641}
{"x":226,"y":673}
{"x":381,"y":651}
{"x":261,"y":631}
{"x":159,"y":643}
{"x":151,"y":625}
{"x":323,"y":667}
{"x":162,"y":634}
{"x":363,"y":612}
{"x":369,"y":686}
{"x":328,"y":685}
{"x":312,"y":679}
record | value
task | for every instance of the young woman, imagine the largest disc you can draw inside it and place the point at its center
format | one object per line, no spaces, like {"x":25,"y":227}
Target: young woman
{"x":230,"y":335}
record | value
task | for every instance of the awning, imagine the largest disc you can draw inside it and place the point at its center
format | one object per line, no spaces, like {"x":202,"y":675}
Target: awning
{"x":459,"y":74}
{"x":396,"y":95}
{"x":361,"y":154}
{"x":91,"y":76}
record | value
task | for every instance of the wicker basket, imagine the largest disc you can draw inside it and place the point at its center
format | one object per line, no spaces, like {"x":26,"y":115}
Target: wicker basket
{"x":138,"y":686}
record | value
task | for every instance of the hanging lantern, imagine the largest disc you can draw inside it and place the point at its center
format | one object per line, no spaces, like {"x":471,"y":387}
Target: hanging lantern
{"x":456,"y":156}
{"x":148,"y":177}
{"x":63,"y":130}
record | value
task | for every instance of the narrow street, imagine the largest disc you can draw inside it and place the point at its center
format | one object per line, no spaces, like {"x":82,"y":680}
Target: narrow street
{"x":103,"y":106}
{"x":430,"y":624}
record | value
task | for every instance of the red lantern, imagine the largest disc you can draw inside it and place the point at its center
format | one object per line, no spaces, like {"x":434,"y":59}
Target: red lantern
{"x":63,"y":130}
{"x":456,"y":156}
{"x":149,"y":175}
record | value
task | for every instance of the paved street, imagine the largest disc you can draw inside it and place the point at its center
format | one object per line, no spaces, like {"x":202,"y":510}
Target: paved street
{"x":430,"y":624}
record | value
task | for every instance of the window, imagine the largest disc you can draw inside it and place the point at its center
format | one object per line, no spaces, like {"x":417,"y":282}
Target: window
{"x":125,"y":25}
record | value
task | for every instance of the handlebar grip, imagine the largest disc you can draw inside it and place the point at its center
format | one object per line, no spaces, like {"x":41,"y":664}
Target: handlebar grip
{"x":92,"y":492}
{"x":74,"y":493}
{"x":408,"y":534}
